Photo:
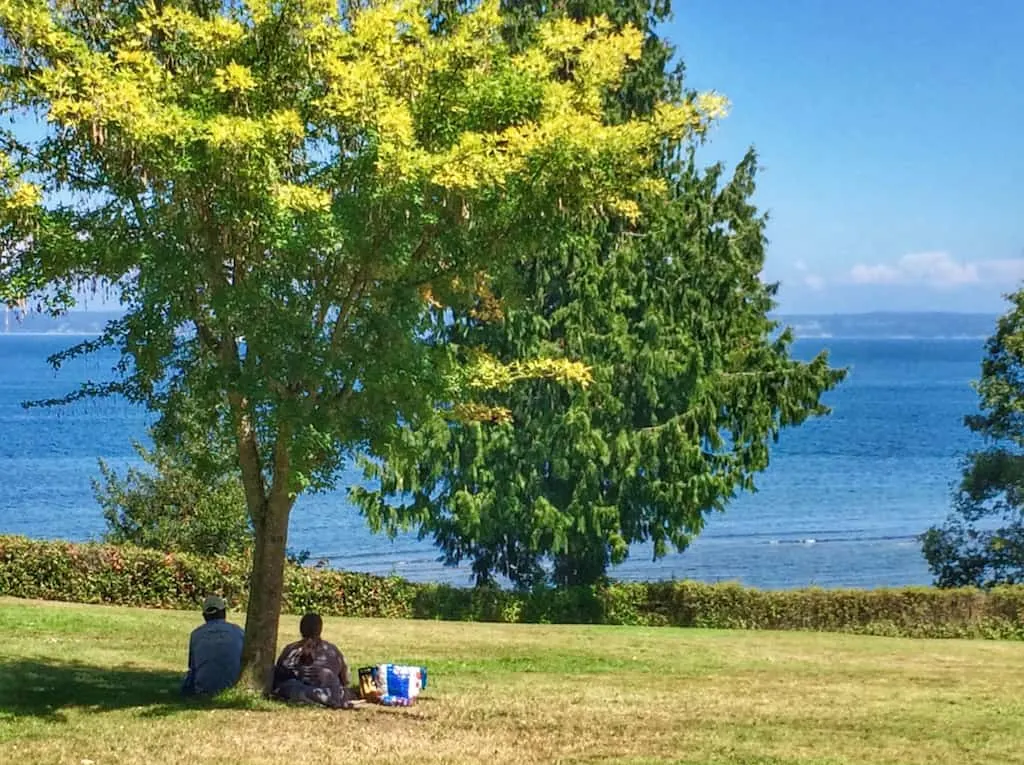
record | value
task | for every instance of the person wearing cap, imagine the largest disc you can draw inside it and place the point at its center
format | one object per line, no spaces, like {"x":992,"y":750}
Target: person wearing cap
{"x":214,"y":652}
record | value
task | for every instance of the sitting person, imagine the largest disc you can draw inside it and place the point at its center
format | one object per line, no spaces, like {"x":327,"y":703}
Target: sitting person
{"x":214,"y":652}
{"x":312,"y":670}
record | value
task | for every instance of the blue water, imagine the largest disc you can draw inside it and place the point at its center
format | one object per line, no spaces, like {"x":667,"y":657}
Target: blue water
{"x":840,"y":504}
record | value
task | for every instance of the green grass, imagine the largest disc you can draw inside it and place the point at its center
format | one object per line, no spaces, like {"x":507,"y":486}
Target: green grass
{"x":81,"y":684}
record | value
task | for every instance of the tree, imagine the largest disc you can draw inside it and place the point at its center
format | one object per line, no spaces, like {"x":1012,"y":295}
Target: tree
{"x":174,"y":506}
{"x":981,"y":543}
{"x":189,"y":498}
{"x":292,"y":196}
{"x":691,"y":381}
{"x":689,"y":384}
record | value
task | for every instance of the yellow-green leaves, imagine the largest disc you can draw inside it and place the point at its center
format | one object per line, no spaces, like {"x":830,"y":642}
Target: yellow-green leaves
{"x":23,"y":196}
{"x":484,"y":373}
{"x":228,"y":132}
{"x":297,"y":198}
{"x":376,"y":75}
{"x":170,"y":80}
{"x":234,"y":78}
{"x":182,"y":27}
{"x":487,"y":373}
{"x":18,"y":197}
{"x":592,"y":52}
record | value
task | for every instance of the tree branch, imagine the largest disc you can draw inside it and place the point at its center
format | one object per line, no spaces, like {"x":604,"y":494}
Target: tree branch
{"x":282,"y":463}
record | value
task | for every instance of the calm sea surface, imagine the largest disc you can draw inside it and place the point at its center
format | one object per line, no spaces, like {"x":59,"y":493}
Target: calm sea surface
{"x":840,"y":505}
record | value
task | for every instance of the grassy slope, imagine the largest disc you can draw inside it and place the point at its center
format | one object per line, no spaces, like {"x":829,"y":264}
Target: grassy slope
{"x":81,"y":683}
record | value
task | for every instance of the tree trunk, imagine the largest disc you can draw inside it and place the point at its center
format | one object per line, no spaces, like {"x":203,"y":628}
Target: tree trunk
{"x":269,"y":511}
{"x":584,"y":564}
{"x":266,"y":590}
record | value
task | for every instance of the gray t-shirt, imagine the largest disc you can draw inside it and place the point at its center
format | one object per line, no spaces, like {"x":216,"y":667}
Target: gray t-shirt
{"x":215,"y":656}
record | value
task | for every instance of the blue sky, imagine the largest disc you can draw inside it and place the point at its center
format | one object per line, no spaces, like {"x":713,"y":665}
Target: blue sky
{"x":890,"y":135}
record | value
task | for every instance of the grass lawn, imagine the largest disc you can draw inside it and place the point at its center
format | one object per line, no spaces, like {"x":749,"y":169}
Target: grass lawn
{"x":91,"y":685}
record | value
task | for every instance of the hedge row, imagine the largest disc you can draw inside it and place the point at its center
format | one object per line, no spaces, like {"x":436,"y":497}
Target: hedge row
{"x":94,"y":573}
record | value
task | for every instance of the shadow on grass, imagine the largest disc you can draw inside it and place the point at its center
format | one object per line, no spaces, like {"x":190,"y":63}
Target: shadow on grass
{"x":43,"y":689}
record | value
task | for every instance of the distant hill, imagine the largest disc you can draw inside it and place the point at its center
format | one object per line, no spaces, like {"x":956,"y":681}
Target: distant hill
{"x":71,"y":323}
{"x":878,"y":326}
{"x":858,"y":325}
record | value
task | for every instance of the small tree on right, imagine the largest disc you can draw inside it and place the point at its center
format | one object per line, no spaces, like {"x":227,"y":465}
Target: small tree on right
{"x":981,"y":543}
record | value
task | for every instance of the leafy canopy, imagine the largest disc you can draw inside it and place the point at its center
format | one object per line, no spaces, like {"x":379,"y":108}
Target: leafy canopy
{"x":289,"y":194}
{"x":981,"y":542}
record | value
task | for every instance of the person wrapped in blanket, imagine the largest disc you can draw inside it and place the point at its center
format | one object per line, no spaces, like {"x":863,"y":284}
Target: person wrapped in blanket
{"x":312,"y":670}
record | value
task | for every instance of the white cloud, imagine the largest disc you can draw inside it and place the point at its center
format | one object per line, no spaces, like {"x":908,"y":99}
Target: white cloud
{"x":1009,"y":272}
{"x":879,"y":274}
{"x":814,"y":281}
{"x":808,"y":278}
{"x":939,"y":269}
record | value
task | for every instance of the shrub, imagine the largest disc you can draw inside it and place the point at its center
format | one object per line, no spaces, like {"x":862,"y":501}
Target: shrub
{"x":175,"y":505}
{"x":134,"y":576}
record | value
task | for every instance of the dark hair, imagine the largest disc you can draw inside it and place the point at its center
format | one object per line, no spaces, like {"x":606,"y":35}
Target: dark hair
{"x":210,"y":616}
{"x":310,"y":628}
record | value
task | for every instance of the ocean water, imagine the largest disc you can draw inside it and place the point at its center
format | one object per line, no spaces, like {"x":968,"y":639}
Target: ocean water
{"x":840,"y":506}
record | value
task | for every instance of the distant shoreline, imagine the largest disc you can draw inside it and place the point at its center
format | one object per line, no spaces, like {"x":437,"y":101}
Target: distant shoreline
{"x":797,"y":336}
{"x":876,"y":325}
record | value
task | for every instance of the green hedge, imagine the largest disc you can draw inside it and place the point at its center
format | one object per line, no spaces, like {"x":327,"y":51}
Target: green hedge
{"x":94,"y":573}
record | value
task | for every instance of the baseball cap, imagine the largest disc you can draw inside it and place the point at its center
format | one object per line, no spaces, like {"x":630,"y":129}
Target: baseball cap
{"x":213,"y":604}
